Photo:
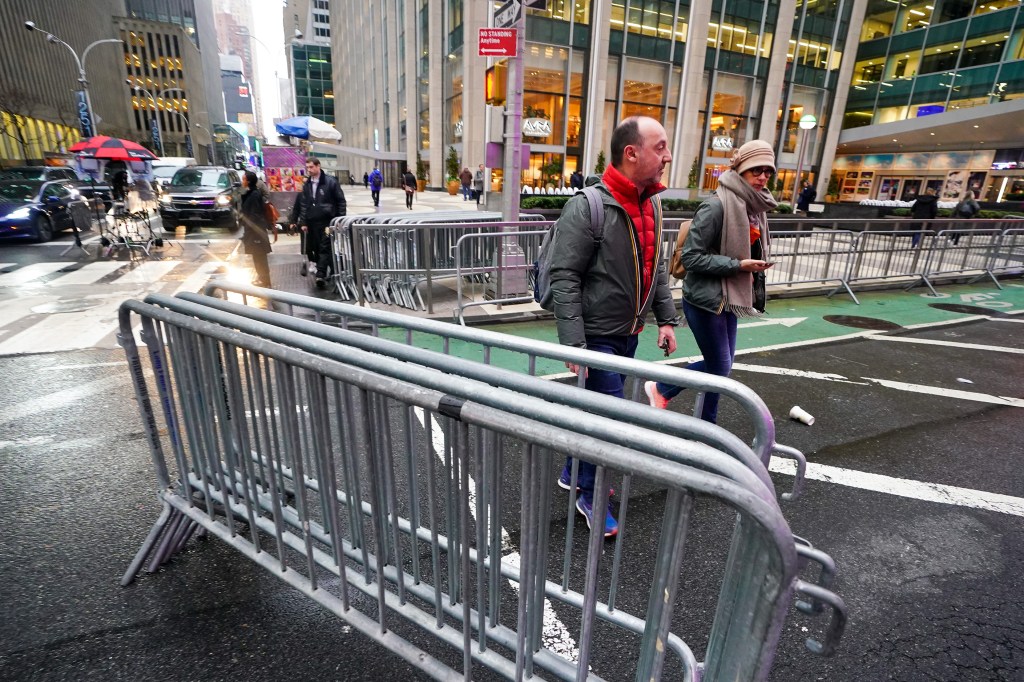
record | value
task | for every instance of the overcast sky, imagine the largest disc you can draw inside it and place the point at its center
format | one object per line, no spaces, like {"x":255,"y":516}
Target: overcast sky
{"x":268,"y":30}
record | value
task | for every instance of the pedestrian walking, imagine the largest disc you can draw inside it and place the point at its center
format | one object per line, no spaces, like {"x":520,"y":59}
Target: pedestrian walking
{"x":807,"y":195}
{"x":256,"y":228}
{"x":965,"y":209}
{"x":322,"y":200}
{"x":466,"y":178}
{"x":726,"y":254}
{"x":409,"y":185}
{"x":925,"y":206}
{"x":366,"y":180}
{"x":376,"y":182}
{"x":603,"y":291}
{"x":478,"y":184}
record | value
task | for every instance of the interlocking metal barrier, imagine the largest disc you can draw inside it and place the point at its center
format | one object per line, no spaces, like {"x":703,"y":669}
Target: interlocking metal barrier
{"x":385,"y":257}
{"x":411,"y":501}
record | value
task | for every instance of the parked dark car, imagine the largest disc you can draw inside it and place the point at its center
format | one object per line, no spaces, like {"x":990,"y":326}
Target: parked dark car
{"x":202,"y":195}
{"x":34,"y":209}
{"x":86,"y":188}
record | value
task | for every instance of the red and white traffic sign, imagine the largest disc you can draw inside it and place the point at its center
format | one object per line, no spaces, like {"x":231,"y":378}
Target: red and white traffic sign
{"x":498,"y":42}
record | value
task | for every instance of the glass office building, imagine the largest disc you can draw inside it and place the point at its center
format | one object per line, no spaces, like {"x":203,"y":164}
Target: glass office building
{"x":936,"y":101}
{"x":716,"y":73}
{"x":314,"y":92}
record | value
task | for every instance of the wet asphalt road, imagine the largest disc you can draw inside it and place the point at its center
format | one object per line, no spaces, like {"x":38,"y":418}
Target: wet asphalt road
{"x":934,"y":590}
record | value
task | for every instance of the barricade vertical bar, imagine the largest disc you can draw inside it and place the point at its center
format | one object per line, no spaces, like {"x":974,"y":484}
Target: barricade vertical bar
{"x":497,"y":550}
{"x":600,"y":510}
{"x":430,"y":279}
{"x":662,"y":601}
{"x":617,"y":555}
{"x":483,"y":492}
{"x":414,"y":487}
{"x":259,"y":420}
{"x":392,"y":513}
{"x":435,"y":552}
{"x":212,"y":382}
{"x":527,"y":544}
{"x":287,"y":383}
{"x":451,"y":513}
{"x":241,"y":436}
{"x":461,"y":433}
{"x":264,"y":392}
{"x":570,"y":511}
{"x":542,"y":501}
{"x":348,"y":423}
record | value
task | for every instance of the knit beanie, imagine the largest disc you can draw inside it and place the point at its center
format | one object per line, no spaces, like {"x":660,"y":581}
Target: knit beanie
{"x":753,"y":154}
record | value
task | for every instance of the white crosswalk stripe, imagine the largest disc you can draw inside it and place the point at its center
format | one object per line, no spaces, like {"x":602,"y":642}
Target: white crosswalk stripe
{"x":33,"y":323}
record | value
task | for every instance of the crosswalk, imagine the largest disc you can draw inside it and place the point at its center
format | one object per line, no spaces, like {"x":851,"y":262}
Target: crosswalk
{"x":57,"y":306}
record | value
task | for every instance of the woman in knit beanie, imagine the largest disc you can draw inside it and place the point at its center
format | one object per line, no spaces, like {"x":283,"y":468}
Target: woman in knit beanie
{"x":725,"y":255}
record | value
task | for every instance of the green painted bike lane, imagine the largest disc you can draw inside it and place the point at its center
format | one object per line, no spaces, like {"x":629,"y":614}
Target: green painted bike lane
{"x":788,"y":321}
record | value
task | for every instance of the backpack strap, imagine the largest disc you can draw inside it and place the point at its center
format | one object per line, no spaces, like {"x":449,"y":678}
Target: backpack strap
{"x":596,"y":213}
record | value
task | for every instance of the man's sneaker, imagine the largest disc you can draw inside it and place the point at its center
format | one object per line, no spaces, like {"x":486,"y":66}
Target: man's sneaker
{"x":566,"y":478}
{"x":585,"y":507}
{"x":304,"y":269}
{"x":321,"y":283}
{"x":653,"y":396}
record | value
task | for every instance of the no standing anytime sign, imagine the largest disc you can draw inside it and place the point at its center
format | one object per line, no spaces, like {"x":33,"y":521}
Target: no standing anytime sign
{"x":498,"y":42}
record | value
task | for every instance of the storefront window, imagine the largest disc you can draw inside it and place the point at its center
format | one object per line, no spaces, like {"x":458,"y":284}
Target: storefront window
{"x":730,"y":124}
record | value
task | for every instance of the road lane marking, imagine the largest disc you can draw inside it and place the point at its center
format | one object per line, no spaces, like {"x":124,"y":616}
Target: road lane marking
{"x":949,"y":392}
{"x":59,"y":399}
{"x":150,"y":272}
{"x":785,"y":371}
{"x":901,"y":487}
{"x":30,"y":272}
{"x":87,"y":274}
{"x":87,"y":366}
{"x":556,"y":635}
{"x":951,"y":344}
{"x":784,"y":321}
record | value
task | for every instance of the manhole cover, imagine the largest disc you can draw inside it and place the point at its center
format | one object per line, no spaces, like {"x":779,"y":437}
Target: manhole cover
{"x":862,"y":322}
{"x":73,"y":305}
{"x":967,"y":309}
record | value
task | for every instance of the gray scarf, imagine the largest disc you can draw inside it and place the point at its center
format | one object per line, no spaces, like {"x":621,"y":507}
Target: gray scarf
{"x":741,"y":203}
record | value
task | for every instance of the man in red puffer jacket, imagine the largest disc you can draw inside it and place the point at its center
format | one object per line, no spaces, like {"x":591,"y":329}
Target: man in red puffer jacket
{"x":603,"y":290}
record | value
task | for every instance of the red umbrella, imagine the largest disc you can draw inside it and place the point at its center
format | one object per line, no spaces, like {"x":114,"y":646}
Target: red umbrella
{"x":112,"y":149}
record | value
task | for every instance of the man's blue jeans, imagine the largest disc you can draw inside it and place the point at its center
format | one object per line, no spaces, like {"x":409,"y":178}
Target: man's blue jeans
{"x":466,"y":189}
{"x":609,"y":383}
{"x":716,"y":337}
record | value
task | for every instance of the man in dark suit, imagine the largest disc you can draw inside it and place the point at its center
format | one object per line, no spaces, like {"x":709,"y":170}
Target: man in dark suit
{"x":322,"y":201}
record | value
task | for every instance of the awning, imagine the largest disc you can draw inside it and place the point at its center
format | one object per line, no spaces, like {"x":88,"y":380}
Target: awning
{"x":326,"y":148}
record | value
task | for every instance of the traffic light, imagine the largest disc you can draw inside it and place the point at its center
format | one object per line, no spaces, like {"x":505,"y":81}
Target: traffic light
{"x":496,"y":83}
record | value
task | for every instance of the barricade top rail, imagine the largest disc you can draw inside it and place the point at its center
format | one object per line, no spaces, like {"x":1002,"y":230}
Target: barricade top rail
{"x":217,"y":412}
{"x":749,"y":401}
{"x":716,"y":451}
{"x":741,"y":465}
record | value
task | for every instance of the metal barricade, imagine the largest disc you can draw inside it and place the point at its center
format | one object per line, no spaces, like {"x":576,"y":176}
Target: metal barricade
{"x":960,"y":252}
{"x":811,"y":256}
{"x":531,"y":356}
{"x":1008,"y":256}
{"x":895,"y":254}
{"x":485,"y":271}
{"x":385,"y":257}
{"x":394,"y":481}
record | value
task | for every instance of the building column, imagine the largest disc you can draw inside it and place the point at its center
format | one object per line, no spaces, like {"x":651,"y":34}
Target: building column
{"x":411,"y":109}
{"x":435,"y":93}
{"x":474,"y":69}
{"x":773,"y":84}
{"x":688,"y":134}
{"x":597,"y":86}
{"x":841,"y":93}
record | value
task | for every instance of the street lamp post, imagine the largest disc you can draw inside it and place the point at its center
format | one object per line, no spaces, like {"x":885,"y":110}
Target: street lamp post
{"x":188,"y":129}
{"x":156,"y":114}
{"x":807,"y":123}
{"x":85,"y":115}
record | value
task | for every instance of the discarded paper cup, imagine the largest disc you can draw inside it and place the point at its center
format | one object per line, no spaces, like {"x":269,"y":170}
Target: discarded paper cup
{"x":801,"y":415}
{"x":180,"y":231}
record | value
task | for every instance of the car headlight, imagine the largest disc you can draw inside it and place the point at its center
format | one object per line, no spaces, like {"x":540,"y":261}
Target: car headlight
{"x":20,"y":213}
{"x":223,"y":199}
{"x":165,"y":198}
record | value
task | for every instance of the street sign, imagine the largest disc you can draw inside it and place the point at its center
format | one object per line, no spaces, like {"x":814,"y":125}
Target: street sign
{"x":508,"y":14}
{"x":498,"y":42}
{"x":155,"y":129}
{"x":84,"y":120}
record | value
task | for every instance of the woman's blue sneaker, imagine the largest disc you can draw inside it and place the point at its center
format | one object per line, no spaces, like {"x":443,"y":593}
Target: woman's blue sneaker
{"x":585,"y":507}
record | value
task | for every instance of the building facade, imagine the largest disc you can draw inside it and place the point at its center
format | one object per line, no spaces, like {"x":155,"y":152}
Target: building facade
{"x":307,"y":27}
{"x":39,"y":79}
{"x":715,"y":73}
{"x":937,"y":101}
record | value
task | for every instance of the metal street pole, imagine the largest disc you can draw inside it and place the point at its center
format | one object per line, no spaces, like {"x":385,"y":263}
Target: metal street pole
{"x":807,"y":123}
{"x":156,"y":114}
{"x":88,"y":125}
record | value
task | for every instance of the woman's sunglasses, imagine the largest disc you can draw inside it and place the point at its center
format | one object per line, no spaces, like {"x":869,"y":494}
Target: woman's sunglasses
{"x":763,"y":170}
